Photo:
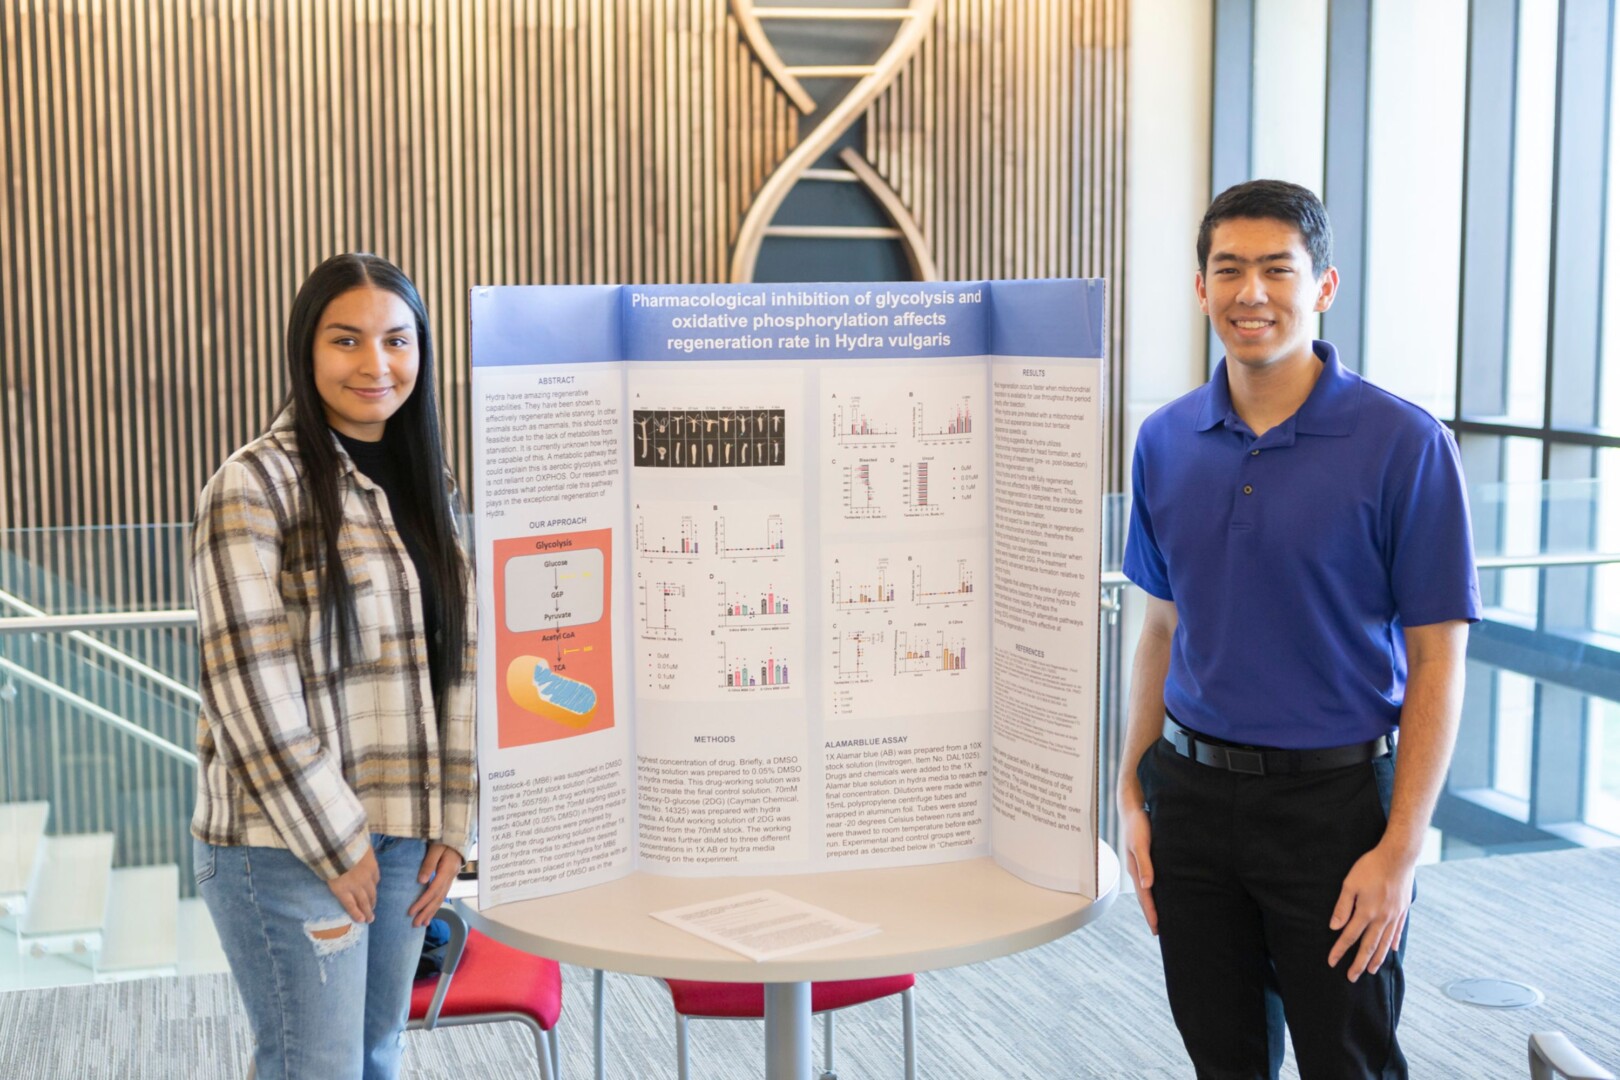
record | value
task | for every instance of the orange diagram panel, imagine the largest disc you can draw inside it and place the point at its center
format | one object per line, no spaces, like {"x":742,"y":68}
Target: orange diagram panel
{"x":553,"y":636}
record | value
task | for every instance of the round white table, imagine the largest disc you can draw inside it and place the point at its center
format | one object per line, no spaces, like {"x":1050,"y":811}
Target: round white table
{"x":932,"y":917}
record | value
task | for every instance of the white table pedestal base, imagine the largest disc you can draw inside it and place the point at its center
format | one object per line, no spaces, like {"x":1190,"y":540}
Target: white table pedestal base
{"x":787,"y":1031}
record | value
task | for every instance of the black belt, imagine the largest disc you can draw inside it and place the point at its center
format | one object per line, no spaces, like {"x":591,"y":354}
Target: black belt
{"x":1258,"y":761}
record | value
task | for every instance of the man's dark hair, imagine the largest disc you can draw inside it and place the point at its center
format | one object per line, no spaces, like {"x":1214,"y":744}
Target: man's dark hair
{"x":1280,"y":201}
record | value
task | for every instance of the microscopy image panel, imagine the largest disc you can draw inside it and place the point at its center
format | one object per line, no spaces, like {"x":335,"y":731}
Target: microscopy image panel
{"x":708,"y":438}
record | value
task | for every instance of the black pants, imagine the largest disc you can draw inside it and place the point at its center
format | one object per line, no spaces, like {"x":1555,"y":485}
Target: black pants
{"x":1246,"y":872}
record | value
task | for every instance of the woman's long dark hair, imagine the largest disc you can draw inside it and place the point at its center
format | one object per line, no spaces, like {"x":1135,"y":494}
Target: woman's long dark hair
{"x":411,"y":437}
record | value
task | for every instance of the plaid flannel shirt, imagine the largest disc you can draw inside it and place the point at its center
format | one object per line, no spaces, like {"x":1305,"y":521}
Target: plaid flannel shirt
{"x":297,"y":751}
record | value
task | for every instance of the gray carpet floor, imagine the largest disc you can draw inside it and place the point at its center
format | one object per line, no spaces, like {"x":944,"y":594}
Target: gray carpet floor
{"x":1090,"y":1005}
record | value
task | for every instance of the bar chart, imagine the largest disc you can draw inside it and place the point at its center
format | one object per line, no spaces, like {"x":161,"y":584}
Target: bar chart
{"x":922,"y":500}
{"x":851,"y":426}
{"x":741,"y":672}
{"x":870,"y":590}
{"x":767,"y":541}
{"x":955,"y":427}
{"x":660,"y":541}
{"x":762,"y":608}
{"x":915,"y":653}
{"x":860,"y":492}
{"x":958,"y":591}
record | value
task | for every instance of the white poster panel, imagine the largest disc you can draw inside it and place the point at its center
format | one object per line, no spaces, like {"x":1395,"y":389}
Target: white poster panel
{"x":785,"y":579}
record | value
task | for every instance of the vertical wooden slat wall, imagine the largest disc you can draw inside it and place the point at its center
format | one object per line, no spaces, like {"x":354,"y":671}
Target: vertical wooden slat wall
{"x":169,"y":172}
{"x":1005,"y":136}
{"x":172,"y":169}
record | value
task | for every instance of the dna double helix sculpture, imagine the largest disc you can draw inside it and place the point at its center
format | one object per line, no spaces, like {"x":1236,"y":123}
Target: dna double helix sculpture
{"x":911,"y":24}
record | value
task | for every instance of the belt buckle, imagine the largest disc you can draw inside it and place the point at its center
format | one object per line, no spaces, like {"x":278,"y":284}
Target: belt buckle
{"x":1251,"y":762}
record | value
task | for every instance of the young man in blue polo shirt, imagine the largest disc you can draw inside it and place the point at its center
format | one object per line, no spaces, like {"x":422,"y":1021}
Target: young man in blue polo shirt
{"x":1303,"y":539}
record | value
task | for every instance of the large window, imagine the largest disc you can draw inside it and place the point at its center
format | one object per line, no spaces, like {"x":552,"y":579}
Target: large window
{"x":1417,"y":89}
{"x":1602,"y":794}
{"x":1606,"y":579}
{"x":1513,"y":736}
{"x":1470,"y":165}
{"x":1537,"y":414}
{"x":1535,"y":83}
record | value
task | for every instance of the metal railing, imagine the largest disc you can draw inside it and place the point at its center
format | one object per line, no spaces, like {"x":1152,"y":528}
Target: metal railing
{"x":90,"y":708}
{"x":39,"y":621}
{"x":78,"y":628}
{"x":76,"y":625}
{"x":36,"y":620}
{"x":146,"y":835}
{"x":94,"y":725}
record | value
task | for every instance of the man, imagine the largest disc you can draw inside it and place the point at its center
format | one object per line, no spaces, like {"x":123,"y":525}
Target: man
{"x":1303,"y":538}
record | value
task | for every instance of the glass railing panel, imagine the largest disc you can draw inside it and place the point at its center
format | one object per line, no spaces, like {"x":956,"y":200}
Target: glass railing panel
{"x":99,"y":725}
{"x":1542,"y":517}
{"x":109,"y":751}
{"x":96,"y":569}
{"x":1546,"y":656}
{"x":108,"y":890}
{"x":69,"y":701}
{"x":1116,"y":516}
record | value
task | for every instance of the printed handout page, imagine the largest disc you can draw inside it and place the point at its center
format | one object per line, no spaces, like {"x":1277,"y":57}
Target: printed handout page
{"x":759,"y":600}
{"x":765,"y":924}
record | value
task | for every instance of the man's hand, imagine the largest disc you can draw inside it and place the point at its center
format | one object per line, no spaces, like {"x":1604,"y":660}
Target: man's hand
{"x":1372,"y":908}
{"x":439,"y":869}
{"x":356,"y":888}
{"x":1145,"y":719}
{"x":1139,"y":862}
{"x":1378,"y":890}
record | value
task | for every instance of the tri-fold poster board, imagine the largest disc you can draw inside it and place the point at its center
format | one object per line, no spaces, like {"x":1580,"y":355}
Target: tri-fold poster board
{"x":781,"y":579}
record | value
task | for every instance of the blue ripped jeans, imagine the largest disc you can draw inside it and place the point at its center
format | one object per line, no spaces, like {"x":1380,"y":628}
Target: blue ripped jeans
{"x":321,"y":1008}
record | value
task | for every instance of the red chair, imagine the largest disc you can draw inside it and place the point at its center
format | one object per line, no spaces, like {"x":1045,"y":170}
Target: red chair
{"x":485,"y":982}
{"x":746,"y":1001}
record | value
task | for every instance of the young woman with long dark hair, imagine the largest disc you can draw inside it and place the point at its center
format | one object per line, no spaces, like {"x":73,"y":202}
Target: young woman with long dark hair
{"x":337,"y":788}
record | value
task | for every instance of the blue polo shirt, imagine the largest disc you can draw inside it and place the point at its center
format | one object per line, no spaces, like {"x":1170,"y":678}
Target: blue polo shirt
{"x":1294,"y":559}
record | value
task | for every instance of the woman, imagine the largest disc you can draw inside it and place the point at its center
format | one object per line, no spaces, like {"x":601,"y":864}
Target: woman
{"x":337,"y":788}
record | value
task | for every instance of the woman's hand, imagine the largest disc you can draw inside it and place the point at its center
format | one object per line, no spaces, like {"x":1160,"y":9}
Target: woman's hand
{"x":356,"y":888}
{"x":439,"y":869}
